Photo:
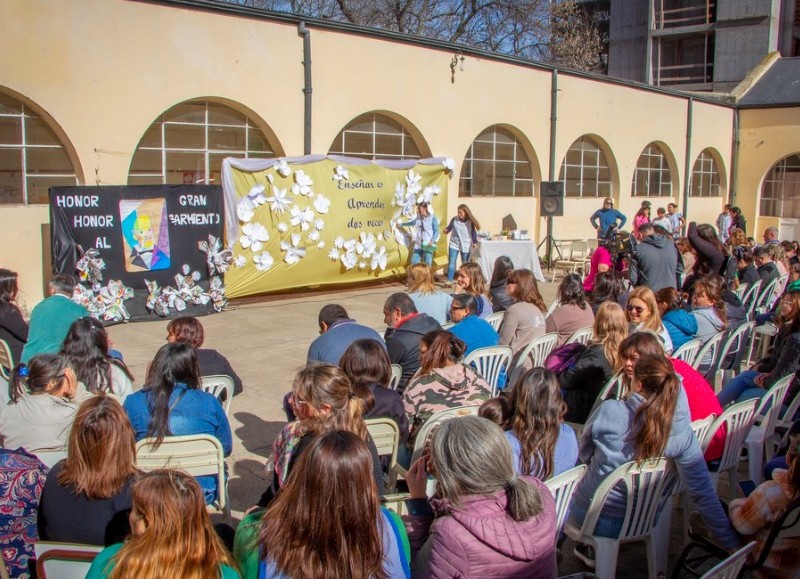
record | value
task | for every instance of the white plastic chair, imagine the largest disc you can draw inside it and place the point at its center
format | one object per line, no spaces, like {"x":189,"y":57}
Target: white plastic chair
{"x":711,"y":347}
{"x":578,"y":252}
{"x":64,"y":560}
{"x":731,"y":567}
{"x":741,"y":290}
{"x":644,"y":488}
{"x":217,"y":384}
{"x":701,"y":429}
{"x":397,"y":373}
{"x":496,"y":319}
{"x":489,"y":362}
{"x":784,"y":423}
{"x":562,"y":487}
{"x":738,"y":418}
{"x":750,"y":297}
{"x":195,"y":454}
{"x":435,"y":420}
{"x":6,"y":360}
{"x":736,"y":341}
{"x":386,"y":435}
{"x":537,"y":351}
{"x":759,"y":441}
{"x":688,"y":352}
{"x":582,"y":336}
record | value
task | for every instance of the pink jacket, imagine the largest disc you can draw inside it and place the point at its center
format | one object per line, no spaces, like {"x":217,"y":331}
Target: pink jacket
{"x":702,"y":402}
{"x":480,"y":539}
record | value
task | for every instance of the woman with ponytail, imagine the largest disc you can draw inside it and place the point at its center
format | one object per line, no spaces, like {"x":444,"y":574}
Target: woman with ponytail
{"x":45,"y":396}
{"x":653,"y":421}
{"x":708,"y":310}
{"x":171,"y":534}
{"x":483,"y":519}
{"x":323,"y":400}
{"x":172,"y":404}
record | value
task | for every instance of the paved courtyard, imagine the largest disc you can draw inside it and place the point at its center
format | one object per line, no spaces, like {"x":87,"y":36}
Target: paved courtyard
{"x":266,"y":342}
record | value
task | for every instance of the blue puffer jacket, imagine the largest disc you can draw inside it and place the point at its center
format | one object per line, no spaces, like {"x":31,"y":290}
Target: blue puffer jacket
{"x":681,"y":326}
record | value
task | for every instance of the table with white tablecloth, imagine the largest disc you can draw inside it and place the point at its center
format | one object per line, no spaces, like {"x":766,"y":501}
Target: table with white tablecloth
{"x":523,"y":254}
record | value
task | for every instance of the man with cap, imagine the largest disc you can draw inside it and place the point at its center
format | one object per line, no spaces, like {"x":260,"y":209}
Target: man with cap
{"x":605,"y":220}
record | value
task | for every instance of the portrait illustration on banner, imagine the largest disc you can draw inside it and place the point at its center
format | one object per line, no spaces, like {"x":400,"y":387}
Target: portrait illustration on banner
{"x":145,"y":234}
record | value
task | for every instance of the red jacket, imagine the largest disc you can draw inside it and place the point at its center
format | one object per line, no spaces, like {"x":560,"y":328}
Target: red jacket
{"x":702,"y":402}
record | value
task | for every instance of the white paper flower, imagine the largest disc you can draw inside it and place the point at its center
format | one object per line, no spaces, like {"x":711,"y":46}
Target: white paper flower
{"x":294,"y":253}
{"x":340,"y":173}
{"x":338,"y":243}
{"x":321,"y":244}
{"x":322,"y":204}
{"x":282,"y":167}
{"x":399,"y":195}
{"x":380,"y":237}
{"x":256,"y":195}
{"x":240,"y":261}
{"x":350,"y":245}
{"x":333,"y":254}
{"x":319,"y":224}
{"x":254,"y":236}
{"x":302,"y":184}
{"x":428,"y":193}
{"x":449,"y":164}
{"x":282,"y":227}
{"x":270,"y":178}
{"x":366,"y":244}
{"x":313,"y":236}
{"x":186,"y":269}
{"x":245,"y":209}
{"x":302,"y":217}
{"x":362,"y":265}
{"x":379,"y":259}
{"x":263,"y":261}
{"x":349,"y":260}
{"x":412,"y":182}
{"x":279,"y":202}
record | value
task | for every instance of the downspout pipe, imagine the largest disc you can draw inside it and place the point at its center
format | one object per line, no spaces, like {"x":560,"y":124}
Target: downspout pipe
{"x":734,"y":158}
{"x":687,"y":164}
{"x":551,"y":172}
{"x":303,"y":31}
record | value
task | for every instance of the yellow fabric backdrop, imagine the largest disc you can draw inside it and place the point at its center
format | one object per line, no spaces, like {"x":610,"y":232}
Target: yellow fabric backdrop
{"x":325,"y":222}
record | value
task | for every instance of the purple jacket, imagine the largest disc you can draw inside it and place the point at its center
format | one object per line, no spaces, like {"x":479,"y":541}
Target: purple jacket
{"x":480,"y":539}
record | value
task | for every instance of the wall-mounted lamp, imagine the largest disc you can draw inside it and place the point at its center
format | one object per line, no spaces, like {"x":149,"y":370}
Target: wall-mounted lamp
{"x":458,"y":61}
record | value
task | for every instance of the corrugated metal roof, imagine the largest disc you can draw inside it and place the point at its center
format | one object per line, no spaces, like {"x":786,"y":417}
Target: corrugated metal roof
{"x":780,"y":85}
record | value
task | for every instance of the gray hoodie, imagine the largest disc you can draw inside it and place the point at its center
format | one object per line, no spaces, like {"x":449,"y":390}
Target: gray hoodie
{"x":657,"y":263}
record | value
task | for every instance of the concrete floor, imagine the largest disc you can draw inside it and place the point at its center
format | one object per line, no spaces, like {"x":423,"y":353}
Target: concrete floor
{"x":266,"y":342}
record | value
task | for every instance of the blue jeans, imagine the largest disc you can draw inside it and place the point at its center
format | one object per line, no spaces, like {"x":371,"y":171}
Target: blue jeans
{"x":741,"y":388}
{"x":419,"y":255}
{"x":451,"y":261}
{"x":606,"y":526}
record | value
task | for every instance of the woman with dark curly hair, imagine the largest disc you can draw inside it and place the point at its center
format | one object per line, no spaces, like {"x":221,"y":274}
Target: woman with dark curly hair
{"x":573,"y":311}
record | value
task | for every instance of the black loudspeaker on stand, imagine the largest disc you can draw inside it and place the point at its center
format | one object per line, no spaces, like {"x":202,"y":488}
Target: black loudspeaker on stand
{"x":552,"y":205}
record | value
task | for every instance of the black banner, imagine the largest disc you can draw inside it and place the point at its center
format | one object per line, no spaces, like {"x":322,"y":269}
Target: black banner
{"x":143,"y":232}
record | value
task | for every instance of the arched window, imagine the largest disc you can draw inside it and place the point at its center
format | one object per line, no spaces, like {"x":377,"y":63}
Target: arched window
{"x":705,"y":176}
{"x":652,"y":177}
{"x":496,"y":165}
{"x":189,"y":141}
{"x":32,"y":157}
{"x":780,"y":194}
{"x":375,"y":136}
{"x":584,"y":170}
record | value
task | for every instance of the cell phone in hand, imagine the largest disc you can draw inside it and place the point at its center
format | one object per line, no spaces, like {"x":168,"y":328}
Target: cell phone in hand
{"x":747,"y":487}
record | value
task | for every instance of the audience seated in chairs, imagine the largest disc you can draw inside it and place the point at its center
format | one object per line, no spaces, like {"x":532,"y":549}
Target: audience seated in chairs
{"x":422,"y":291}
{"x":572,"y":312}
{"x":87,"y":496}
{"x":189,"y":330}
{"x":22,"y":478}
{"x":497,"y":285}
{"x":475,"y":481}
{"x":524,"y":320}
{"x":680,"y":324}
{"x":469,"y":279}
{"x":323,"y":400}
{"x":442,"y":382}
{"x":327,"y":520}
{"x":542,"y":444}
{"x":708,"y":310}
{"x":475,"y":332}
{"x":86,"y":348}
{"x":644,"y":315}
{"x":656,"y":414}
{"x":783,"y":358}
{"x":45,"y":396}
{"x":171,"y":404}
{"x":171,"y":534}
{"x":608,"y":287}
{"x":367,"y":365}
{"x":595,"y":365}
{"x":13,"y":327}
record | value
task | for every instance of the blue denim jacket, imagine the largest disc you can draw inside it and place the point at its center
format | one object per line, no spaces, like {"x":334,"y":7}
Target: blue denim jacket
{"x":197,"y":412}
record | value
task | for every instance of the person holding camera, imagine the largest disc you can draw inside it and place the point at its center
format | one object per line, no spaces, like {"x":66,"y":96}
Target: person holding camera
{"x":655,"y":261}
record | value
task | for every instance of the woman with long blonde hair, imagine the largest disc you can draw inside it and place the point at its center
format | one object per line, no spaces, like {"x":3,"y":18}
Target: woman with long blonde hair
{"x":322,"y":400}
{"x":594,"y":366}
{"x":422,"y":291}
{"x":644,"y":315}
{"x":171,"y":534}
{"x":652,"y":421}
{"x":469,"y":279}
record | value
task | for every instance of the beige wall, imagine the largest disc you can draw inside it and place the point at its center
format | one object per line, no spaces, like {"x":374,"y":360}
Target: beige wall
{"x":103,"y":70}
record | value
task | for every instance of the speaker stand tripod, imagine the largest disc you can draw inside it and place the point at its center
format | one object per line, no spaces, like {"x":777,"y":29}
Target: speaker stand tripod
{"x":551,"y":244}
